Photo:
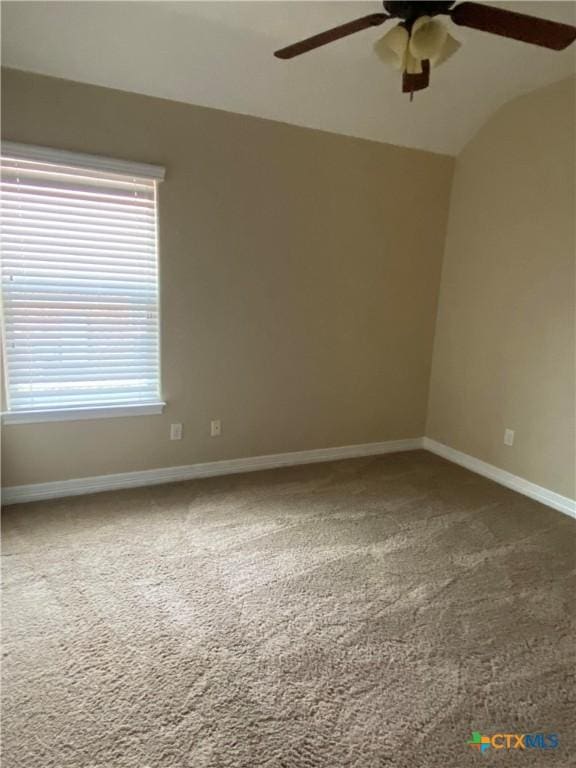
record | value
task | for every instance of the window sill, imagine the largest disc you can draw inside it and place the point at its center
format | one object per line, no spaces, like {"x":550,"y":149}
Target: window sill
{"x":78,"y":414}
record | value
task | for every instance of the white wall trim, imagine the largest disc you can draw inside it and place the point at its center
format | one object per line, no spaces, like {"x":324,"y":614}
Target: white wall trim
{"x":38,"y":491}
{"x":78,"y":487}
{"x":516,"y":483}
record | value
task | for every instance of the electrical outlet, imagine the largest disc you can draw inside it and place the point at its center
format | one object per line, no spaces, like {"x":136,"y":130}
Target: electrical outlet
{"x":509,"y":437}
{"x":215,"y":428}
{"x":175,"y":431}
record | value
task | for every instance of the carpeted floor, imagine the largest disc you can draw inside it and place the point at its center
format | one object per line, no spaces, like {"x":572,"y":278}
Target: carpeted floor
{"x":359,"y":614}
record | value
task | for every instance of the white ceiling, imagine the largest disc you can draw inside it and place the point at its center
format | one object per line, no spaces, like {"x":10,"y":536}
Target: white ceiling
{"x":219,"y":54}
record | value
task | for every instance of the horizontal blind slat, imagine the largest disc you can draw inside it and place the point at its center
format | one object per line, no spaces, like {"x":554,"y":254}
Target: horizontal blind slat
{"x":104,"y":377}
{"x":124,"y":205}
{"x":68,"y":186}
{"x":18,"y":223}
{"x":43,"y":210}
{"x":77,"y":249}
{"x":82,"y":395}
{"x":16,"y":231}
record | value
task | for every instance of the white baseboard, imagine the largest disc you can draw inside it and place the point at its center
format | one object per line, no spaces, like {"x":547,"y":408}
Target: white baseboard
{"x":18,"y":494}
{"x":38,"y":491}
{"x":536,"y":492}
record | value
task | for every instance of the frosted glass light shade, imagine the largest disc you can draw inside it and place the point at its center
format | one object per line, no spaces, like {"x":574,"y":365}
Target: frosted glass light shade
{"x":392,"y":48}
{"x":451,"y":45}
{"x":404,"y":51}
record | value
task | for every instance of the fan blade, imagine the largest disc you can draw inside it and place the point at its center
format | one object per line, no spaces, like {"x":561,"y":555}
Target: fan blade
{"x":411,"y":83}
{"x":518,"y":26}
{"x":373,"y":20}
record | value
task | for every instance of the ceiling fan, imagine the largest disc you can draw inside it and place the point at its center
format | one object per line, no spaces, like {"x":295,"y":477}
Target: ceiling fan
{"x":420,"y":41}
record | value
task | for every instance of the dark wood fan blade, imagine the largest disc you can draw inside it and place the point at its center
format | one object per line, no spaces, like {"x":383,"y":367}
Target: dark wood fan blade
{"x":519,"y":26}
{"x":411,"y":83}
{"x":373,"y":20}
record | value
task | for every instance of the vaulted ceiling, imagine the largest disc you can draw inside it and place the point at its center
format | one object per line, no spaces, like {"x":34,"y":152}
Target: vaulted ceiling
{"x":220,"y":54}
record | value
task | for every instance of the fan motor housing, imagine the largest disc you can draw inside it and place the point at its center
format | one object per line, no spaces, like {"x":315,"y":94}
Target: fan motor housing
{"x":410,"y":11}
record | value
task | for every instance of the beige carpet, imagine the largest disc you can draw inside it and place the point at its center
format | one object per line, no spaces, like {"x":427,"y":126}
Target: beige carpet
{"x":358,"y":614}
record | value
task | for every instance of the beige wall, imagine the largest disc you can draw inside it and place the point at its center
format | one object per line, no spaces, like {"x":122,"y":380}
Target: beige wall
{"x":505,"y":338}
{"x":299,"y":282}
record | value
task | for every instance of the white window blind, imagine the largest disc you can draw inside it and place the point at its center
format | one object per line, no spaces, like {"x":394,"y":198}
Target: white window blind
{"x":79,"y":281}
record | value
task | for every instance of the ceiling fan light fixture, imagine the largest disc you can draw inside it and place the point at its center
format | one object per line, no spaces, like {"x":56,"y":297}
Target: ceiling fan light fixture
{"x":392,"y":48}
{"x":427,"y":38}
{"x":405,"y":51}
{"x":451,"y":45}
{"x":431,"y":40}
{"x":413,"y":65}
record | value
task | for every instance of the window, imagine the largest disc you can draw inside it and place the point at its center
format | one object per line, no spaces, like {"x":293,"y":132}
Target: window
{"x":79,"y":284}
